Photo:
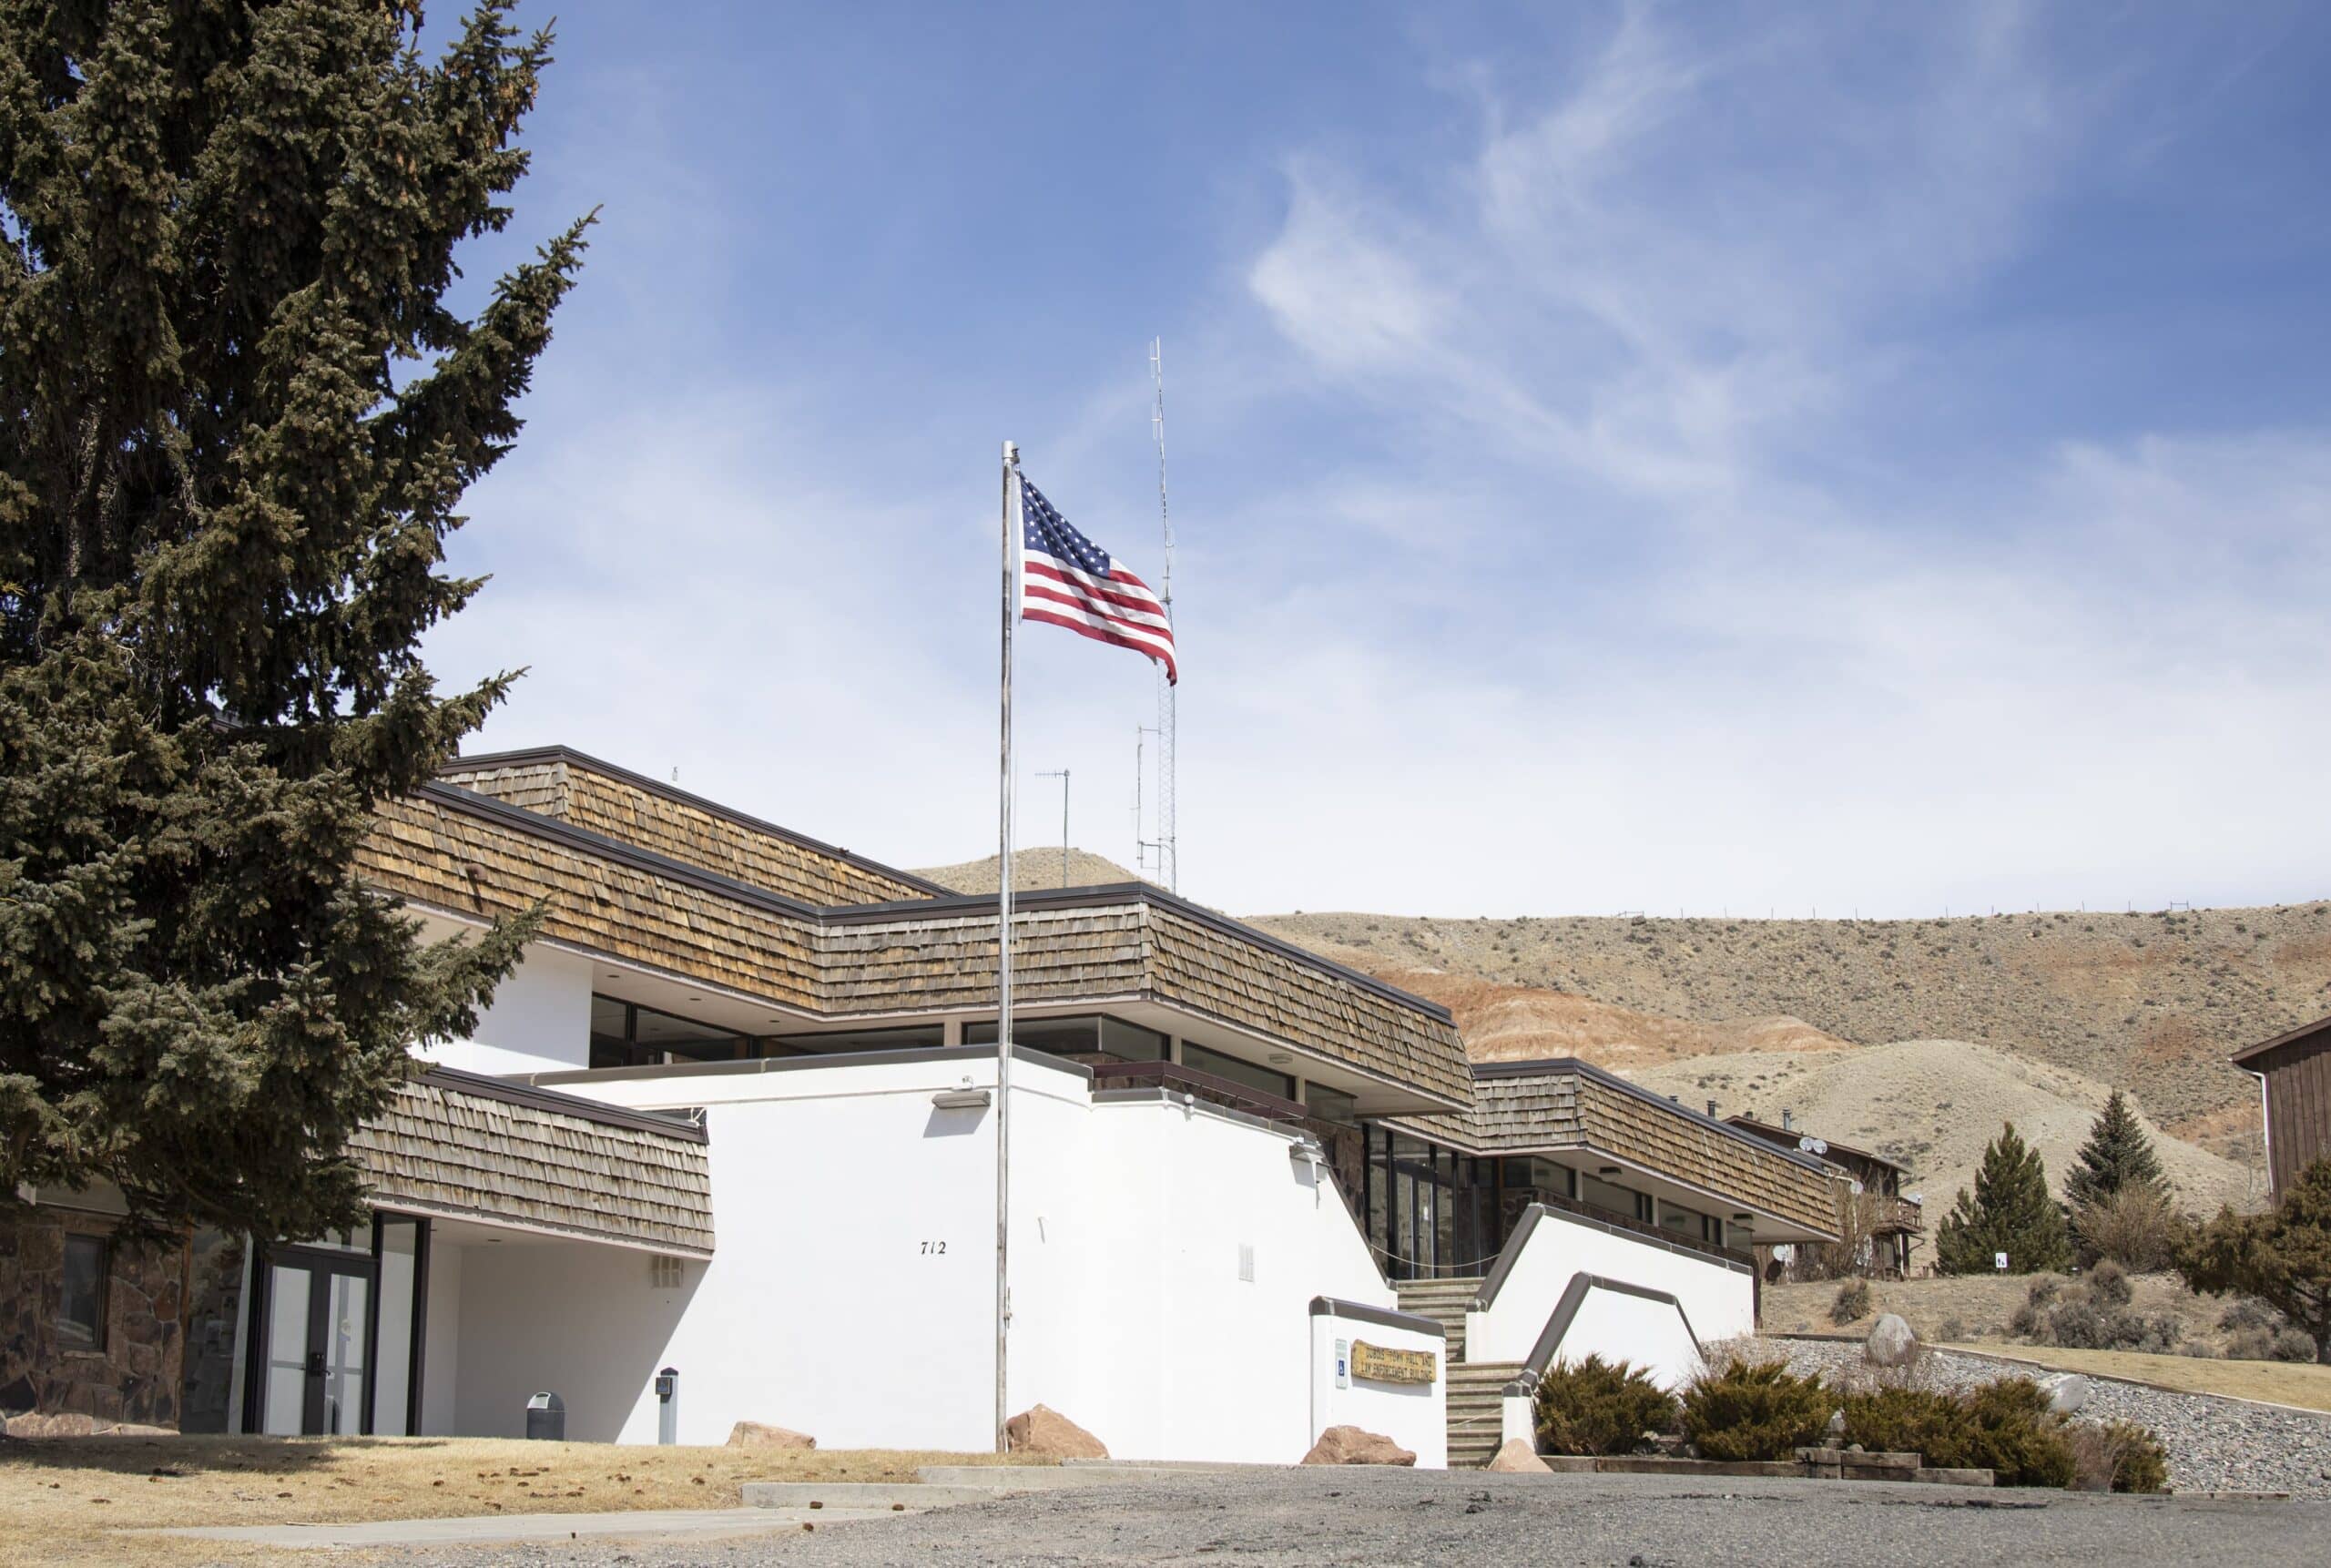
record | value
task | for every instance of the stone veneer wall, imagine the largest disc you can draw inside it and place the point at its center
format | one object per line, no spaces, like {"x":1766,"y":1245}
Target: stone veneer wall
{"x":132,"y":1381}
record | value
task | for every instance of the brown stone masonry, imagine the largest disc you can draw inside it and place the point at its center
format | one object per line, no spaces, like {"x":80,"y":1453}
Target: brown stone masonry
{"x":132,"y":1379}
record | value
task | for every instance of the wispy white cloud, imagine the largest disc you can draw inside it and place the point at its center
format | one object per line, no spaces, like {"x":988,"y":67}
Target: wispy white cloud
{"x":1593,"y":518}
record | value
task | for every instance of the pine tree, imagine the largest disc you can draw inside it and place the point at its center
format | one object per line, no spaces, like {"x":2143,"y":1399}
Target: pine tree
{"x":2009,"y":1211}
{"x":236,"y":419}
{"x":2118,"y":1158}
{"x":2283,"y":1258}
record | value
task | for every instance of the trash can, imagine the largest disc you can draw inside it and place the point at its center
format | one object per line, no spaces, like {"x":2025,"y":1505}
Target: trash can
{"x":547,"y":1418}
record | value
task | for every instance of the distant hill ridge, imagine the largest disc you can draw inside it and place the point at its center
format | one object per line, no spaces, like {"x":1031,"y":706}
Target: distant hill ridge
{"x":2150,"y":1002}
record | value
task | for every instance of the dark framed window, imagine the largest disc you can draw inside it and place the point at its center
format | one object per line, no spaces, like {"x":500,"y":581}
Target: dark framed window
{"x":626,"y":1034}
{"x":1198,"y":1059}
{"x":1331,"y":1105}
{"x":81,"y":1305}
{"x":905,"y":1038}
{"x":1093,"y":1035}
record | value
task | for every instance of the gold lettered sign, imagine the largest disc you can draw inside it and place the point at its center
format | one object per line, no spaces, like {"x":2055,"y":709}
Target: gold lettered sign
{"x":1378,"y":1365}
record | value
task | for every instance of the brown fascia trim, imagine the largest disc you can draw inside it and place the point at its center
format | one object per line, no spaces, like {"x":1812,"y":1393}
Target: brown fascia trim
{"x":1768,"y":1133}
{"x":1553,"y":1065}
{"x":452,"y":797}
{"x":569,"y":755}
{"x":2292,"y":1037}
{"x":477,"y":1085}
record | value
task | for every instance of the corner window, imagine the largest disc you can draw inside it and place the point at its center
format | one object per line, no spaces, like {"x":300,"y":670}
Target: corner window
{"x":81,"y":1308}
{"x":1331,"y":1105}
{"x":1083,"y":1039}
{"x":1198,"y":1059}
{"x":626,"y":1034}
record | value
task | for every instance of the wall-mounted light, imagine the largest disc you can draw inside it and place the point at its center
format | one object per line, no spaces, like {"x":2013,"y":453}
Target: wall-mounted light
{"x":1606,"y":1172}
{"x":962,"y":1098}
{"x":1306,"y":1151}
{"x":1281,"y":1058}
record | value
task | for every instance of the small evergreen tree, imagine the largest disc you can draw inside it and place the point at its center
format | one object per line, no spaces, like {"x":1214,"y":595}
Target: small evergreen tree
{"x":2118,"y":1158}
{"x":2008,"y":1211}
{"x":2283,"y":1258}
{"x":236,"y":419}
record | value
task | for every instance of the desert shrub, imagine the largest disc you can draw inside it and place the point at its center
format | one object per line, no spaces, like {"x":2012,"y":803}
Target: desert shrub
{"x":2292,"y":1345}
{"x":1599,"y":1407}
{"x":2135,"y":1228}
{"x":1852,"y":1301}
{"x":2117,"y":1456}
{"x":2081,"y":1324}
{"x":2012,"y":1433}
{"x":2249,"y":1312}
{"x":1953,"y":1329}
{"x":1754,"y":1410}
{"x":2108,"y":1285}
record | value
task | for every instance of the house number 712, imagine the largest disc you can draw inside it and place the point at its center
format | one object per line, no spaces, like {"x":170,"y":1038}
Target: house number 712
{"x":934,"y":1250}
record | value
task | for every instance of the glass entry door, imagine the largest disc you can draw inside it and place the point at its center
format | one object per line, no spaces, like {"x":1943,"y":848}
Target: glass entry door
{"x":318,"y":1317}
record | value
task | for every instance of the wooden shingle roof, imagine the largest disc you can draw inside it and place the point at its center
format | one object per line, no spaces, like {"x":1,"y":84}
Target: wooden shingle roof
{"x":472,"y":853}
{"x":459,"y":1147}
{"x":616,"y":803}
{"x":1547,"y":1108}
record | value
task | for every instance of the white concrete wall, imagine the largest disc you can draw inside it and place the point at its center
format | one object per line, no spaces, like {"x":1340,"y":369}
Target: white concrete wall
{"x":1720,"y":1302}
{"x":1414,"y":1415}
{"x":852,"y":1292}
{"x":574,"y":1318}
{"x":540,"y":1020}
{"x":441,"y":1369}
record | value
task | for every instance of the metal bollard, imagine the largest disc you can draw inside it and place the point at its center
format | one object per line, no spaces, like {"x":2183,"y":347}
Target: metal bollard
{"x":667,"y":1406}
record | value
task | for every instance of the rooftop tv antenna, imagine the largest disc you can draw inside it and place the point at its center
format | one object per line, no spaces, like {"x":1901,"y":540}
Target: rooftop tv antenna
{"x":1169,"y":868}
{"x":1061,"y":774}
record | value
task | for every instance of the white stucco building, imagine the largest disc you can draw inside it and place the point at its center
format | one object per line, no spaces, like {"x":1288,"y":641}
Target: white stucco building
{"x":731,"y":1125}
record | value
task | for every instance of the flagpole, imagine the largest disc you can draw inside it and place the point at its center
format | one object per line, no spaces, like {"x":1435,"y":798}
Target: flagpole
{"x":1004,"y":966}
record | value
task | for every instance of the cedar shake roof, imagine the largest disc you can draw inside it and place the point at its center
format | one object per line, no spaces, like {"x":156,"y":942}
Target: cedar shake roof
{"x":472,"y":852}
{"x":456,"y":1146}
{"x":616,"y":803}
{"x":1557,"y":1105}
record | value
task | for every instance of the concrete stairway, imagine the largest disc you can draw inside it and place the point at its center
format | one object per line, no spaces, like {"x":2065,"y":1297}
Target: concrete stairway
{"x":1476,"y":1406}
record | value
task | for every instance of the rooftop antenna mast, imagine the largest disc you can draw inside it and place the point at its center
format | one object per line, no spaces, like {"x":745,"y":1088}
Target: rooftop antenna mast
{"x":1061,"y":774}
{"x":1170,"y":867}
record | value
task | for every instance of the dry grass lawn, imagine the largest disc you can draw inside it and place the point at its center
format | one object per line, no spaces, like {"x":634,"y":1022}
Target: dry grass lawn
{"x":64,"y":1500}
{"x":2278,"y":1382}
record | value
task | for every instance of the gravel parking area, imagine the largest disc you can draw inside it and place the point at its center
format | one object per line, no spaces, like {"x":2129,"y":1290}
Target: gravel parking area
{"x":1316,"y":1518}
{"x":2215,"y":1445}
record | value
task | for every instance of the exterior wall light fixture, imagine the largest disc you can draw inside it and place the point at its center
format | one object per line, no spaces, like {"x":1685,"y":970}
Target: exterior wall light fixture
{"x":964,"y":1098}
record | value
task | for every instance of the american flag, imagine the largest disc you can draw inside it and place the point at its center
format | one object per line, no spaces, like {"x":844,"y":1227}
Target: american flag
{"x":1067,"y":580}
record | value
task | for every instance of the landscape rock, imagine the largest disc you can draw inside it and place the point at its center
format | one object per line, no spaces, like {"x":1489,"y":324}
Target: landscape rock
{"x":42,"y":1424}
{"x":1352,"y":1445}
{"x":1518,"y":1458}
{"x":1891,"y":1342}
{"x":1048,"y":1435}
{"x":753,"y":1434}
{"x":2067,"y":1392}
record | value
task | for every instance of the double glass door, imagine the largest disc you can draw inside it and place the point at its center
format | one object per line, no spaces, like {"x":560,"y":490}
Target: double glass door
{"x":318,"y":1317}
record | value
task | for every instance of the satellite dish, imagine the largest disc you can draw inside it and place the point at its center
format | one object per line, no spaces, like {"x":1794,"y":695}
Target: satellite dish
{"x":1804,"y":1145}
{"x":1856,"y":1187}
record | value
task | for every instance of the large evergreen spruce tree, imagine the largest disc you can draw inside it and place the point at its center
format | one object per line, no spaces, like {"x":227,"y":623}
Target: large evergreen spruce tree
{"x":236,"y":419}
{"x":2008,"y":1211}
{"x":2118,"y":1158}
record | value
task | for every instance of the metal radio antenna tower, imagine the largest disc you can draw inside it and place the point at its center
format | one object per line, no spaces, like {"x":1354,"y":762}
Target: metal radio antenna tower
{"x":1169,"y":847}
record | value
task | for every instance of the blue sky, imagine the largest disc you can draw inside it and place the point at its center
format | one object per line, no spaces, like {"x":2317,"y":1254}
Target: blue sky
{"x":1624,"y":457}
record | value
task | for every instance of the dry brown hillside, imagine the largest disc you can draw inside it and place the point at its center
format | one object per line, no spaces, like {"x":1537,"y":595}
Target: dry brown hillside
{"x":2150,"y":1002}
{"x":1034,"y":868}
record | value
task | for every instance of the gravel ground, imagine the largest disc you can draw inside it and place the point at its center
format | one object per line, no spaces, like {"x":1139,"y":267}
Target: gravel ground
{"x":1388,"y":1517}
{"x":2215,"y":1445}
